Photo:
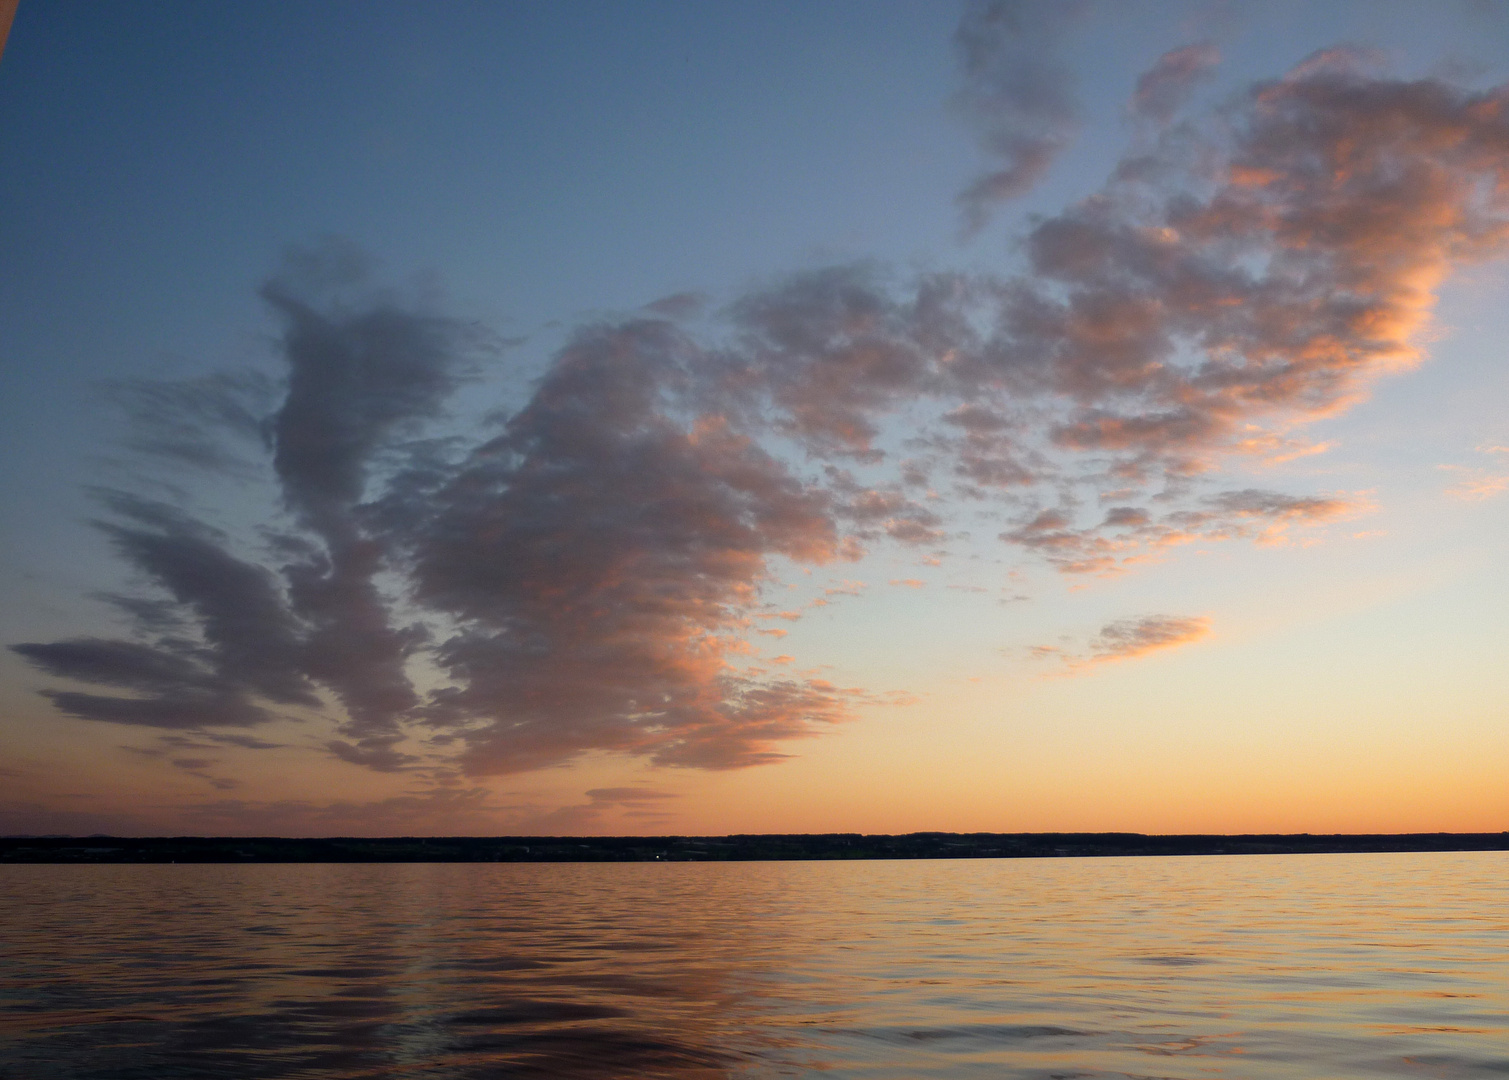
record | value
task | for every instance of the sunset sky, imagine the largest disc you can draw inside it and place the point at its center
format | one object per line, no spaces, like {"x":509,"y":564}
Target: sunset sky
{"x":780,"y":417}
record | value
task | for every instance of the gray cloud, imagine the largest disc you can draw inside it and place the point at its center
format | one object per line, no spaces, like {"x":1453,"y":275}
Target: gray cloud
{"x":1017,"y":94}
{"x":1163,"y":88}
{"x":246,"y":643}
{"x":125,"y":664}
{"x":185,"y":711}
{"x":832,"y":352}
{"x":357,"y":377}
{"x":1137,"y":637}
{"x":187,"y":422}
{"x":1127,"y":639}
{"x":643,"y":804}
{"x":601,"y":557}
{"x":1127,"y":533}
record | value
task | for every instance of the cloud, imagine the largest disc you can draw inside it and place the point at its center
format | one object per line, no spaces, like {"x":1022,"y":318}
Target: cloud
{"x":846,"y":588}
{"x":1188,"y":303}
{"x":1131,"y":638}
{"x":877,"y":512}
{"x":358,"y":377}
{"x":601,"y":557}
{"x":198,"y":766}
{"x":246,"y":742}
{"x":443,"y":811}
{"x":1017,"y":93}
{"x":188,"y":422}
{"x":644,"y":804}
{"x":1478,"y":484}
{"x":628,"y":796}
{"x":194,"y":766}
{"x":1128,"y":534}
{"x":682,"y":305}
{"x":26,"y":817}
{"x":989,"y":452}
{"x":1201,"y":305}
{"x":1164,"y":87}
{"x":833,"y":351}
{"x":361,"y":373}
{"x":1128,"y":639}
{"x":186,"y":712}
{"x":246,"y":645}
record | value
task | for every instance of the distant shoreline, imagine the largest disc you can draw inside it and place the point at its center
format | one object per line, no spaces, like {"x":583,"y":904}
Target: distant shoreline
{"x":735,"y":848}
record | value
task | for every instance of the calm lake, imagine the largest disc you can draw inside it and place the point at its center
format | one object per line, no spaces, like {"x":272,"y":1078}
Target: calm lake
{"x":1303,"y":966}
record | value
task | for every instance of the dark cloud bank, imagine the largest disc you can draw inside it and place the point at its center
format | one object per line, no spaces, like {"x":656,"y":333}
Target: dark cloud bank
{"x":586,"y":575}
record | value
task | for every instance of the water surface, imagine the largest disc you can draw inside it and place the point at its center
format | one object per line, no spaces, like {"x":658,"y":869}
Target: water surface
{"x":1302,"y":966}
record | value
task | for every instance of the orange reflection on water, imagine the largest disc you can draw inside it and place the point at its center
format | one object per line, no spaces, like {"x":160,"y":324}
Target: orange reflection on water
{"x":1257,"y":966}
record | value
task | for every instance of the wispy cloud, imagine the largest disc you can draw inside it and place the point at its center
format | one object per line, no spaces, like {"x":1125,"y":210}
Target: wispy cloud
{"x":1017,"y":93}
{"x":1128,"y":639}
{"x":245,"y":646}
{"x":643,"y":804}
{"x":1163,"y":89}
{"x":1477,"y":482}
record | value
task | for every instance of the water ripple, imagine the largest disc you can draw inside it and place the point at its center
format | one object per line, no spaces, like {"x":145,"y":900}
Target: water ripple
{"x":1270,"y":968}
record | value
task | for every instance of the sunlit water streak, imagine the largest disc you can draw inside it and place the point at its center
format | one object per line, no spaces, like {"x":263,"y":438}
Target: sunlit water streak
{"x":1303,"y":966}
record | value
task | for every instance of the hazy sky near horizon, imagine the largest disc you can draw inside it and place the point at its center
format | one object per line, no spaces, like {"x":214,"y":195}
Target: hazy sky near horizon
{"x":711,"y":417}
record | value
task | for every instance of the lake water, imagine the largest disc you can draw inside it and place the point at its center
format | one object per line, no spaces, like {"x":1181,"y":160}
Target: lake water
{"x":1303,"y":966}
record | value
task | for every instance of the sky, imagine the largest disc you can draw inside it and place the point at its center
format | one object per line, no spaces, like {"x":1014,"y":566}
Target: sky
{"x":695,"y":418}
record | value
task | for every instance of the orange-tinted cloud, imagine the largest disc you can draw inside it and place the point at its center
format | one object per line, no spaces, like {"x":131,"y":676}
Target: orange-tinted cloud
{"x":1127,"y":534}
{"x":1127,"y":639}
{"x":1131,"y":638}
{"x":600,"y":559}
{"x":1478,"y":483}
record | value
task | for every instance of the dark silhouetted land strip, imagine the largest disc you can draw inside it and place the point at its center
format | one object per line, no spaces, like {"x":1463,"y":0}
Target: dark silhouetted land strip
{"x":210,"y":849}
